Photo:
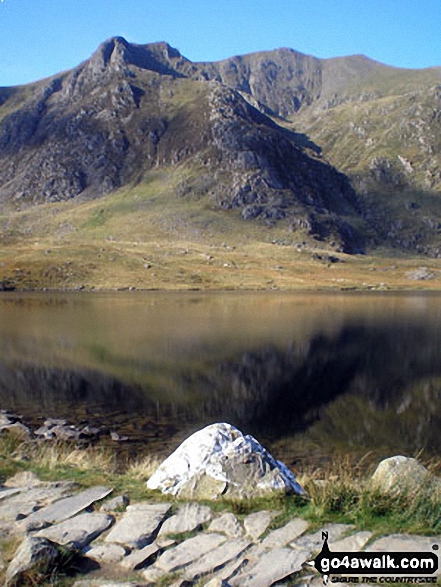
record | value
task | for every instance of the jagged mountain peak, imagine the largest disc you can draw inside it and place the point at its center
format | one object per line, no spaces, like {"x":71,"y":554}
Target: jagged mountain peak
{"x":117,"y":54}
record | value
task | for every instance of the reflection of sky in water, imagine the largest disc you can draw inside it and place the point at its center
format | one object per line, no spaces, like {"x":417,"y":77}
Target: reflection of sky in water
{"x":275,"y":364}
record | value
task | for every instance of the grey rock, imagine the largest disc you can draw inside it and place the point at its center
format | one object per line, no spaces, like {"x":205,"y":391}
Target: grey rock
{"x":256,"y":524}
{"x":288,"y":533}
{"x":138,"y":525}
{"x":165,"y":541}
{"x":273,"y":566}
{"x":138,"y":558}
{"x":105,"y":553}
{"x":152,"y":575}
{"x":216,"y":583}
{"x":65,"y":508}
{"x":188,"y":551}
{"x":352,"y":543}
{"x":32,"y":554}
{"x":17,"y":511}
{"x":420,"y":274}
{"x":5,"y":419}
{"x":119,"y":502}
{"x":17,"y":429}
{"x":216,"y":558}
{"x":5,"y":493}
{"x":314,"y":542}
{"x":29,"y":500}
{"x":220,"y":460}
{"x":50,"y":422}
{"x":79,"y":531}
{"x":400,"y":474}
{"x":227,"y":524}
{"x":232,"y":568}
{"x":404,"y":543}
{"x":188,"y":517}
{"x":23,"y":479}
{"x":118,"y":438}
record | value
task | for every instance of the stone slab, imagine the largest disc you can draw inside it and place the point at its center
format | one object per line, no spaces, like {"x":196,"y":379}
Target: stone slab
{"x":288,"y":533}
{"x":138,"y":525}
{"x":4,"y":493}
{"x":30,"y":499}
{"x":188,"y":551}
{"x":79,"y":531}
{"x":273,"y":566}
{"x":65,"y":508}
{"x":105,"y":553}
{"x":23,"y":479}
{"x":216,"y":558}
{"x":13,"y":512}
{"x":119,"y":502}
{"x":152,"y":575}
{"x":404,"y":543}
{"x":231,"y":568}
{"x":352,"y":543}
{"x":138,"y":558}
{"x":188,"y":517}
{"x":256,"y":524}
{"x":227,"y":524}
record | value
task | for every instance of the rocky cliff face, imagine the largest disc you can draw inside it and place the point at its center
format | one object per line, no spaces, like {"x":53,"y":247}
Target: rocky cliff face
{"x":234,"y":123}
{"x":129,"y":109}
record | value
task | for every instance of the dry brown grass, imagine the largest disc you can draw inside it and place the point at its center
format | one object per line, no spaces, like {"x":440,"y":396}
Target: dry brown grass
{"x":55,"y":455}
{"x":146,"y":237}
{"x":143,"y":468}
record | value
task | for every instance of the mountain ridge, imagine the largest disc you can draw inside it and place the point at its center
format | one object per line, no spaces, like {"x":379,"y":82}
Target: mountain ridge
{"x":341,"y":153}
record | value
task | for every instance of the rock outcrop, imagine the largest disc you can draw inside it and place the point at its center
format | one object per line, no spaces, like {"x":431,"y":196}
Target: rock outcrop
{"x":220,"y":461}
{"x":130,"y":109}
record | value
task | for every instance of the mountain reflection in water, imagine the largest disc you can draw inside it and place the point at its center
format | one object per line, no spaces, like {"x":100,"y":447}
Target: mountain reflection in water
{"x":353,"y":372}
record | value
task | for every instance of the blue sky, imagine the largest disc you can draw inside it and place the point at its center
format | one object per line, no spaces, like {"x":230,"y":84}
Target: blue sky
{"x":39,"y":38}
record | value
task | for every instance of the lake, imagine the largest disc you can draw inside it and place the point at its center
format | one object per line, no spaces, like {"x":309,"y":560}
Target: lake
{"x":308,"y":374}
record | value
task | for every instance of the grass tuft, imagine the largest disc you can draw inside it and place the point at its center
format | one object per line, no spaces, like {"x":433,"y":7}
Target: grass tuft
{"x":143,"y":468}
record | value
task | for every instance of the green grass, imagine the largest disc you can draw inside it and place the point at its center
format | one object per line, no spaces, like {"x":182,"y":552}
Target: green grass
{"x":340,"y":492}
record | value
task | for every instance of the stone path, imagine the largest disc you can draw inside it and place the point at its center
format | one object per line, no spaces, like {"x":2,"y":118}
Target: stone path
{"x":188,"y":543}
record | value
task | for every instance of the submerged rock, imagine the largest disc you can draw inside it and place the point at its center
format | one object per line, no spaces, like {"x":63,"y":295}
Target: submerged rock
{"x":220,"y":460}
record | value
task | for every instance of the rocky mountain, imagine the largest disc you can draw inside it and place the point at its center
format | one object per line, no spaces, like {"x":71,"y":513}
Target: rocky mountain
{"x":130,"y":109}
{"x":342,"y":151}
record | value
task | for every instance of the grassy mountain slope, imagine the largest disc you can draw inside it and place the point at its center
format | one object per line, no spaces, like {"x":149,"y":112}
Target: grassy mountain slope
{"x":140,"y":168}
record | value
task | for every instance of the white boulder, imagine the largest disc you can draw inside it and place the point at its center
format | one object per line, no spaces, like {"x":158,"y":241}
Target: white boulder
{"x":220,"y":461}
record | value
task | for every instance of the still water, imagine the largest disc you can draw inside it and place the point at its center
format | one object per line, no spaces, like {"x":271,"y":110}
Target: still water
{"x":307,"y":374}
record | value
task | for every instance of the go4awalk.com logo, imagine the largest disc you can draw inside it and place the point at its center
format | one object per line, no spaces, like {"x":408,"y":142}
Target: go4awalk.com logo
{"x":376,"y":567}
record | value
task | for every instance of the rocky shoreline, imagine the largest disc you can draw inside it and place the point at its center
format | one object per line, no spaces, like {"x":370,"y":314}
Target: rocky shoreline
{"x":57,"y":429}
{"x":179,"y":536}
